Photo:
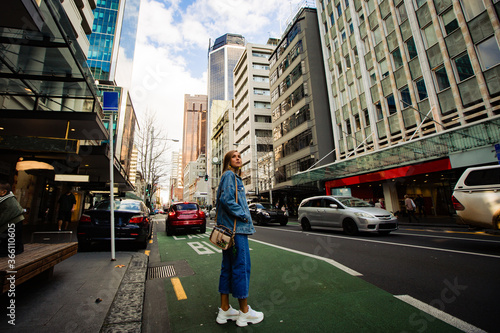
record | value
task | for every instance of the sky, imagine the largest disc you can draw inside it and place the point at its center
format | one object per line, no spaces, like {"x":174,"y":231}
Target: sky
{"x":171,"y":47}
{"x":172,"y":41}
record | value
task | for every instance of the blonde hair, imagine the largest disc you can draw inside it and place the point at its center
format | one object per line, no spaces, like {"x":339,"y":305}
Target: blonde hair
{"x":227,"y":163}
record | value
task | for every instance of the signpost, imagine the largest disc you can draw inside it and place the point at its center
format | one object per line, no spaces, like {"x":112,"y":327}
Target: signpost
{"x":110,"y":103}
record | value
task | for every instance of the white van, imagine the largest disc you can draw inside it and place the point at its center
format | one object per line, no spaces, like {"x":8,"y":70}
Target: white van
{"x":476,"y":197}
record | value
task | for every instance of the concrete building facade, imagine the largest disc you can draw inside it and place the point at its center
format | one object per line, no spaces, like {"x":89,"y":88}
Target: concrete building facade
{"x":195,"y":128}
{"x":302,"y":131}
{"x":252,"y":114}
{"x":414,"y":95}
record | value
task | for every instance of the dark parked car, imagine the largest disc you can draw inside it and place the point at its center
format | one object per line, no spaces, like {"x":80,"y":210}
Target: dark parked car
{"x":264,"y":213}
{"x":132,"y":223}
{"x":186,"y":216}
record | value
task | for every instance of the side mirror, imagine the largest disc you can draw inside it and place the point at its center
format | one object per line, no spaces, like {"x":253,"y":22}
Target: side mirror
{"x":333,"y":206}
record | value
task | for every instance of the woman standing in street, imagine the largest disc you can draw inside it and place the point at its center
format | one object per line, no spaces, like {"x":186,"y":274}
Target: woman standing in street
{"x":235,"y":268}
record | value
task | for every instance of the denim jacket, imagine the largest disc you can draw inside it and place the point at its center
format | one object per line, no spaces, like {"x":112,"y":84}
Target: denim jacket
{"x":228,"y":209}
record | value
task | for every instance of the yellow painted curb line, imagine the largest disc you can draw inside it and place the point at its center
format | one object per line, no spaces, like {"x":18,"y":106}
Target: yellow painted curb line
{"x":179,"y":290}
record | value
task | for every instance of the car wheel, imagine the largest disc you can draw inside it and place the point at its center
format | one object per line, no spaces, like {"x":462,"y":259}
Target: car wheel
{"x":384,"y":232}
{"x":144,"y":244}
{"x":306,"y":226}
{"x":258,"y":219}
{"x":169,"y":231}
{"x":350,"y":227}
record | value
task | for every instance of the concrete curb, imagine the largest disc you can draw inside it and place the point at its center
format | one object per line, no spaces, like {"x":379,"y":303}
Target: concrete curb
{"x":125,"y":313}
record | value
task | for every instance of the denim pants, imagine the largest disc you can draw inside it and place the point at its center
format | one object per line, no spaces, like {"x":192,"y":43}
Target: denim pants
{"x":235,"y":269}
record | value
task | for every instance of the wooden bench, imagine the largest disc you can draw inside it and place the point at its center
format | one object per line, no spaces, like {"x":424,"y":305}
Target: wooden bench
{"x":36,"y":258}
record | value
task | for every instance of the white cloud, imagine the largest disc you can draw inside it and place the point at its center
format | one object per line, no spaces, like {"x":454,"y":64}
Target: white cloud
{"x":171,"y":48}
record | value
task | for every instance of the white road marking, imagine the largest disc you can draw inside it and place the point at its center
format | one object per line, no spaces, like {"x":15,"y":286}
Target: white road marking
{"x":396,"y":244}
{"x":329,"y":261}
{"x":441,"y":315}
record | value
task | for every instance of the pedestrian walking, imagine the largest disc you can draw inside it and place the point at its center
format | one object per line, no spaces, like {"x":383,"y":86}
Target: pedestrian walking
{"x":419,"y":202}
{"x":380,"y":203}
{"x":11,"y":222}
{"x":67,"y":204}
{"x":410,"y":208}
{"x":235,"y":268}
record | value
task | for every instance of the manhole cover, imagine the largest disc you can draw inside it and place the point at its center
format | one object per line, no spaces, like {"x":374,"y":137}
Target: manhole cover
{"x":161,"y":272}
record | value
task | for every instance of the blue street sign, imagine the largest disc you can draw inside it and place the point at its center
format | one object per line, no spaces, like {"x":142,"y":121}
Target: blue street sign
{"x":497,"y":150}
{"x":110,"y":100}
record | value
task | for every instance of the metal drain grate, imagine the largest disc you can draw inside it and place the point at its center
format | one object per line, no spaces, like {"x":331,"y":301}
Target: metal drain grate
{"x":161,"y":272}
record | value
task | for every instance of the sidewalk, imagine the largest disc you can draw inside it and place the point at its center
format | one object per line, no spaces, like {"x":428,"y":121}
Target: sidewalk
{"x":87,"y":292}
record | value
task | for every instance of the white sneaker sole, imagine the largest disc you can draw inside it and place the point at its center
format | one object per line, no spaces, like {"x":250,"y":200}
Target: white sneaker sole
{"x":224,"y":321}
{"x":243,"y":323}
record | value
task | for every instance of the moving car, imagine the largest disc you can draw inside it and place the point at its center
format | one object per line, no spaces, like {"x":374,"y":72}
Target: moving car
{"x":185,"y":216}
{"x":264,"y":213}
{"x":476,"y":197}
{"x":349,"y":213}
{"x":132,"y":223}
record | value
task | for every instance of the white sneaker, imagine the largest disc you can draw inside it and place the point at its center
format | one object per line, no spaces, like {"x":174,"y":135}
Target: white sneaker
{"x":252,"y":317}
{"x":224,"y":316}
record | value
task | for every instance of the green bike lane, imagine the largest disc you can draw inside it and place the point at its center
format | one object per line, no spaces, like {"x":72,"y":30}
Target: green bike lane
{"x":295,"y":291}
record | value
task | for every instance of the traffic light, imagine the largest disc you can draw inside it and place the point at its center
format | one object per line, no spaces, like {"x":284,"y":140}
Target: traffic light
{"x":206,"y":178}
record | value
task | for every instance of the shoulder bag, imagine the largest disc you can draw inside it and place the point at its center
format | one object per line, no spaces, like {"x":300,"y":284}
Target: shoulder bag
{"x":221,"y":236}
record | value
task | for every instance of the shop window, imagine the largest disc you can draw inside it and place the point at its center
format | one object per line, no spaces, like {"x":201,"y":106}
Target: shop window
{"x":450,"y":22}
{"x":463,"y":67}
{"x":489,"y":53}
{"x":441,"y":77}
{"x":421,"y":90}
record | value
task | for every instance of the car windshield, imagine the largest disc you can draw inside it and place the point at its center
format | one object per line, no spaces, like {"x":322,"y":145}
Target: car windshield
{"x":119,"y":205}
{"x":353,"y":202}
{"x":264,"y":206}
{"x":186,"y":206}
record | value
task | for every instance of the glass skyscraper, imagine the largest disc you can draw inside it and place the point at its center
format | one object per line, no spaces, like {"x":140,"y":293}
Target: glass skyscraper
{"x":106,"y":29}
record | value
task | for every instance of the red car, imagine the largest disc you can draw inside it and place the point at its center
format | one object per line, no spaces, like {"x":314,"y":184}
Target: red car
{"x":185,"y":216}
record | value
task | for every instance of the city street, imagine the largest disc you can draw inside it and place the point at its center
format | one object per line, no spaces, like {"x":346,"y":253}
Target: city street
{"x":450,"y":269}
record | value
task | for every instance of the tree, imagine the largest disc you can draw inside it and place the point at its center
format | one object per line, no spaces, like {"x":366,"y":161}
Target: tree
{"x":152,"y":149}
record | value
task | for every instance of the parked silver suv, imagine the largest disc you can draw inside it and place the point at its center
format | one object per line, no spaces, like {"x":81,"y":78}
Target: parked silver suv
{"x":349,"y":213}
{"x":476,"y":197}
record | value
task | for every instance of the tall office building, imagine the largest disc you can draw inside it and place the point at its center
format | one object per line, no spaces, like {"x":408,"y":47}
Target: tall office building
{"x":104,"y":40}
{"x":194,"y":139}
{"x":302,"y":128}
{"x":252,"y":115}
{"x":414,"y":95}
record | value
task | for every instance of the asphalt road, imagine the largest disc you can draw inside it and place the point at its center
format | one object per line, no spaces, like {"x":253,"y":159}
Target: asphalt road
{"x":453,"y":270}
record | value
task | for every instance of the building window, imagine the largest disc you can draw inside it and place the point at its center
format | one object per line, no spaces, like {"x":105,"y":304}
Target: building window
{"x":450,"y":22}
{"x":402,"y":15}
{"x":348,"y":62}
{"x":339,"y":10}
{"x":430,"y":35}
{"x":391,"y":104}
{"x":397,"y":60}
{"x":262,"y":105}
{"x":332,"y":19}
{"x":412,"y":49}
{"x":441,"y":76}
{"x":263,"y":119}
{"x":351,"y":28}
{"x":263,"y":92}
{"x":384,"y":68}
{"x":348,"y":128}
{"x":378,"y":110}
{"x":389,"y":25}
{"x":463,"y":67}
{"x":344,"y":36}
{"x":420,"y":3}
{"x":357,"y":122}
{"x":489,"y":53}
{"x":367,"y":117}
{"x":405,"y":97}
{"x":346,"y":3}
{"x":472,"y":8}
{"x":421,"y":90}
{"x":373,"y":77}
{"x":377,"y":35}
